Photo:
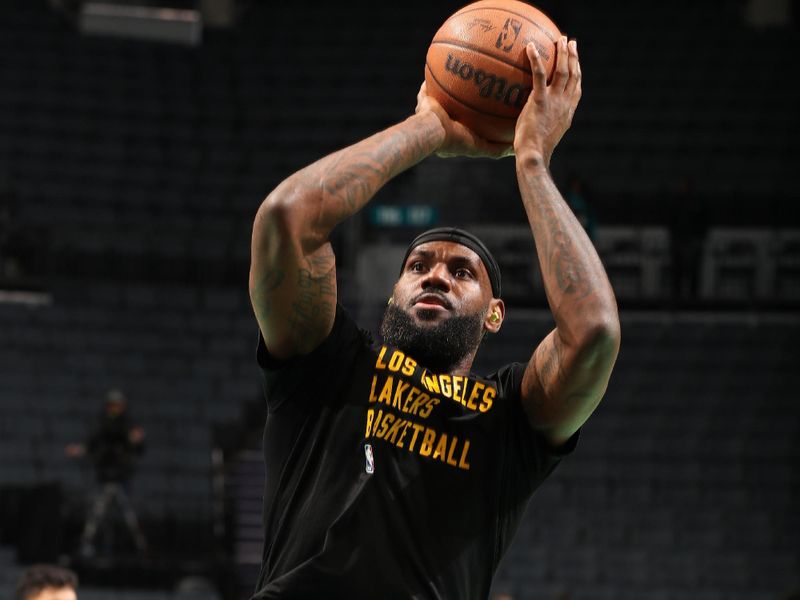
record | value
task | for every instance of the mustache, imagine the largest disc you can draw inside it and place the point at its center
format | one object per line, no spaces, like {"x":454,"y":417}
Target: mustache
{"x":445,"y":302}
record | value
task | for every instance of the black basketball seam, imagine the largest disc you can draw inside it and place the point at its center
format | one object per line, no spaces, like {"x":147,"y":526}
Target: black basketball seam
{"x":460,"y":44}
{"x":460,"y":101}
{"x":534,"y":23}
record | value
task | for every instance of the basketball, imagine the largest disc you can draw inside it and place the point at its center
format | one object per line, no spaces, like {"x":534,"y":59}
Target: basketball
{"x":477,"y":68}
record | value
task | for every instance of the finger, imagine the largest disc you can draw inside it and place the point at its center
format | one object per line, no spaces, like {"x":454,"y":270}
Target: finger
{"x":574,"y":68}
{"x":537,"y":68}
{"x":561,"y":73}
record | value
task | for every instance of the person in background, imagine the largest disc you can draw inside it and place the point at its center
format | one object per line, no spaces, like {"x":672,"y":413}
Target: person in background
{"x":47,"y":582}
{"x":113,"y":446}
{"x":577,"y":198}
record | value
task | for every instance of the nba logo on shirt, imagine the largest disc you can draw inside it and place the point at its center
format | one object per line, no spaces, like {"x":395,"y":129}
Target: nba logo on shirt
{"x":370,"y":468}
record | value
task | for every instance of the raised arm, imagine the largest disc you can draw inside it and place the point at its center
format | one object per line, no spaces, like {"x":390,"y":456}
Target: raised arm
{"x":293,"y":268}
{"x":568,"y":372}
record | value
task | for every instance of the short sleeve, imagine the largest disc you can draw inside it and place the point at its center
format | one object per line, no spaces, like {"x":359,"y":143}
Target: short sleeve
{"x":528,"y":456}
{"x":526,"y":443}
{"x":284,"y":379}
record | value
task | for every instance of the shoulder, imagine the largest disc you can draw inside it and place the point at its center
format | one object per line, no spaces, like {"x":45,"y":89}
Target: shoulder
{"x":344,"y":334}
{"x":508,"y":379}
{"x":319,"y":371}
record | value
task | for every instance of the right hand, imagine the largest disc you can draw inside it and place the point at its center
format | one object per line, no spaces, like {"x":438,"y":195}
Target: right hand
{"x":459,"y":140}
{"x":549,"y":110}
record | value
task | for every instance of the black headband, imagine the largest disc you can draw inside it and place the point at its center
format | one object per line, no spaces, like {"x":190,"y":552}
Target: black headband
{"x":465,"y":238}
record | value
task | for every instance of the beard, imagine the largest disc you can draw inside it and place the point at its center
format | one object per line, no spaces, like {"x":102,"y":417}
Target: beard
{"x":439,"y":347}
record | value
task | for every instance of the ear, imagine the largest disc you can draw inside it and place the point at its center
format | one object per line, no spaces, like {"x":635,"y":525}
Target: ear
{"x":392,"y":295}
{"x":494,"y":316}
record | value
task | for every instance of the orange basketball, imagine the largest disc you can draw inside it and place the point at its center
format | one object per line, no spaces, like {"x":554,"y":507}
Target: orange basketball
{"x":477,"y":68}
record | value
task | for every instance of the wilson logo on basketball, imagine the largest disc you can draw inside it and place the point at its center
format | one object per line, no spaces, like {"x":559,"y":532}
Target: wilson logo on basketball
{"x":489,"y":85}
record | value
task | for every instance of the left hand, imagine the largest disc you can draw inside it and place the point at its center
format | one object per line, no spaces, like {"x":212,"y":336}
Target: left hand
{"x":549,"y":110}
{"x":459,"y":140}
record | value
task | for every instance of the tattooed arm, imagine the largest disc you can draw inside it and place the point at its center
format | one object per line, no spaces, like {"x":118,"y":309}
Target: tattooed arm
{"x":568,"y":372}
{"x":292,"y":268}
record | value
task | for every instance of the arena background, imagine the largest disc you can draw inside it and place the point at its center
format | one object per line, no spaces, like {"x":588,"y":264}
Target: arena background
{"x":136,"y":146}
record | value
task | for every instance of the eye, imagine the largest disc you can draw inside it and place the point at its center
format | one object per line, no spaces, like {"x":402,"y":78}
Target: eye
{"x":416,"y":266}
{"x":463,"y":273}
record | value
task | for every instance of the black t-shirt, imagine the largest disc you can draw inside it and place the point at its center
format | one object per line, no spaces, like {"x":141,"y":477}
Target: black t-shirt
{"x":385,"y":480}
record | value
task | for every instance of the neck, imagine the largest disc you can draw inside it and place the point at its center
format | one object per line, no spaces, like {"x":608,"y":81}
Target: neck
{"x":464,"y":366}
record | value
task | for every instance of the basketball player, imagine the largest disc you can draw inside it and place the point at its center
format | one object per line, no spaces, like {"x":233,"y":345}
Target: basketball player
{"x":391,"y":470}
{"x":47,"y":582}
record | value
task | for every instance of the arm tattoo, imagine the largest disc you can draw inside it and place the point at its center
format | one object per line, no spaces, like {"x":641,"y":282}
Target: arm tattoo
{"x":312,"y":306}
{"x":315,"y":299}
{"x":565,"y":253}
{"x":567,"y":368}
{"x":295,"y":298}
{"x":354,"y":175}
{"x":268,"y":282}
{"x":551,"y":369}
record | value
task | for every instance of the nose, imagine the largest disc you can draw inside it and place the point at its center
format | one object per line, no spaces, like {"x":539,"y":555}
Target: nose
{"x":437,"y":277}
